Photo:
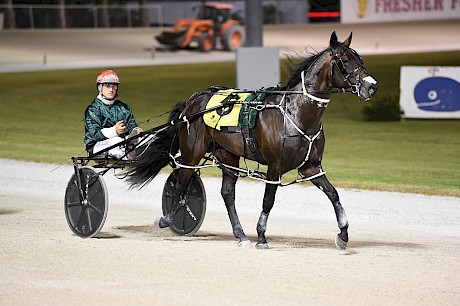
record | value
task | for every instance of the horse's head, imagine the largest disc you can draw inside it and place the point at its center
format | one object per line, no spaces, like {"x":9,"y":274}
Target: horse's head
{"x":348,"y":69}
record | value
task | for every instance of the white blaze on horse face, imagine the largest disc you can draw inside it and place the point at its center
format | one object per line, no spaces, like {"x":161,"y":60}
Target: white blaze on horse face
{"x":368,"y":89}
{"x":370,"y":80}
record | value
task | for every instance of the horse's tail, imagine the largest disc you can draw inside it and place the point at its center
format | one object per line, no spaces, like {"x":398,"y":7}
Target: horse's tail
{"x":156,"y":155}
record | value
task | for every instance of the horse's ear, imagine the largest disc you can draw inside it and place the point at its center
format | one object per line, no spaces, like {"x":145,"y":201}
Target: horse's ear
{"x":334,"y":40}
{"x":347,"y":41}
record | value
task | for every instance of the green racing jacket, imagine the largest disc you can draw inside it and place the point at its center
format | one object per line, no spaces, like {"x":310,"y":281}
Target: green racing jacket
{"x":99,"y":115}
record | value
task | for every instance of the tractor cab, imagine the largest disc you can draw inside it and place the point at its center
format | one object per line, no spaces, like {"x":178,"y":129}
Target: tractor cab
{"x":218,"y":12}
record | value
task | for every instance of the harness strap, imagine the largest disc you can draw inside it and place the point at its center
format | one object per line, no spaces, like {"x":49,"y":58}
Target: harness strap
{"x":310,"y":145}
{"x":307,"y":94}
{"x":253,"y":174}
{"x":248,"y":136}
{"x":225,"y":103}
{"x":310,"y":139}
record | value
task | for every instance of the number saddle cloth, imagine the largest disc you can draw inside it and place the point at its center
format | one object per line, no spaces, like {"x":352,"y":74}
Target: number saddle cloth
{"x":237,"y":115}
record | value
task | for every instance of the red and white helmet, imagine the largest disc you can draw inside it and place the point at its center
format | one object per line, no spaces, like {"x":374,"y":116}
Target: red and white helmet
{"x":107,"y":76}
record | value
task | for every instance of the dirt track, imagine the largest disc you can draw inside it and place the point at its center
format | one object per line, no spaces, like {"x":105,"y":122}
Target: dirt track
{"x":403,"y":249}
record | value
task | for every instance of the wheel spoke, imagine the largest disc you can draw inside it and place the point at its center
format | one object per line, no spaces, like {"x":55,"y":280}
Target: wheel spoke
{"x":89,"y":220}
{"x":95,"y":208}
{"x":179,"y":221}
{"x":80,"y":218}
{"x":82,"y":196}
{"x":74,"y":204}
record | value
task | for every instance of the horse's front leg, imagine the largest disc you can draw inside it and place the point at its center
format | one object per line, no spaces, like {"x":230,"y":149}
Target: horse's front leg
{"x":269,"y":200}
{"x":324,"y":185}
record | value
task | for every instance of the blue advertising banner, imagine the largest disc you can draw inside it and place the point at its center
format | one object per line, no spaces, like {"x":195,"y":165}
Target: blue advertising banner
{"x":430,"y":92}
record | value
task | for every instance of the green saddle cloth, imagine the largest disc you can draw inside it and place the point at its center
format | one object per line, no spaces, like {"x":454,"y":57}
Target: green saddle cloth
{"x":248,"y":114}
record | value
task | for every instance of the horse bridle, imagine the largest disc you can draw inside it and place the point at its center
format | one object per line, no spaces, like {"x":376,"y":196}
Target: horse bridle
{"x":338,"y":62}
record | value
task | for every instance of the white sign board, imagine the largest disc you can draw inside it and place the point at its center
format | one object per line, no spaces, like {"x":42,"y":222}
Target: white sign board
{"x":257,"y":67}
{"x":365,"y":11}
{"x":430,"y":92}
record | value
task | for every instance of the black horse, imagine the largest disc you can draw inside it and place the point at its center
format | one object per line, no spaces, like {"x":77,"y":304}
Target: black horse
{"x":288,"y":134}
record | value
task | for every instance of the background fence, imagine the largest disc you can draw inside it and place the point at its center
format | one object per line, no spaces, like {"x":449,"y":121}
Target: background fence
{"x":79,"y":16}
{"x":134,"y":14}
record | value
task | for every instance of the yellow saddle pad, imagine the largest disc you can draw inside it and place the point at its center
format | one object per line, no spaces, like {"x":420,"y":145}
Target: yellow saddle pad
{"x":225,"y":116}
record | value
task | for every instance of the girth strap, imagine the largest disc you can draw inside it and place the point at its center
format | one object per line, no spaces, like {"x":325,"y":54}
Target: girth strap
{"x":248,"y":136}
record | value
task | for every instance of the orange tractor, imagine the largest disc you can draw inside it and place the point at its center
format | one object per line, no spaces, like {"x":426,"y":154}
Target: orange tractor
{"x":214,"y":27}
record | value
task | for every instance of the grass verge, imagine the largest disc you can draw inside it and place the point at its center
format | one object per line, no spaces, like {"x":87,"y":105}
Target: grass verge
{"x":41,"y":118}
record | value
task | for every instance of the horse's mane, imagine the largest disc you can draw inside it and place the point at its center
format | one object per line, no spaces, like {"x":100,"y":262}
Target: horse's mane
{"x":295,"y":68}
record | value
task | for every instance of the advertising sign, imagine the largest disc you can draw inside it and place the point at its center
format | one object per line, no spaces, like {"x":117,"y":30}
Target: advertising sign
{"x":430,"y":92}
{"x":365,"y":11}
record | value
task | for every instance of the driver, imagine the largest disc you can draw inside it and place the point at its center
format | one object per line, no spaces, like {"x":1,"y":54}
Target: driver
{"x":107,"y":120}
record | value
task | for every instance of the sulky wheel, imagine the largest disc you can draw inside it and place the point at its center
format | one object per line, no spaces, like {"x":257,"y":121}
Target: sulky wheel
{"x":86,"y":203}
{"x":191,"y":211}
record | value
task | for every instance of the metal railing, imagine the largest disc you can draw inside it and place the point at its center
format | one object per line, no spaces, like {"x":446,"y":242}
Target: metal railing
{"x":80,"y":16}
{"x":133,"y":14}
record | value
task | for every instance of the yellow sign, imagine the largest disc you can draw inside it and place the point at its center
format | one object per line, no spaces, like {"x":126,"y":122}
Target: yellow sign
{"x":362,"y":8}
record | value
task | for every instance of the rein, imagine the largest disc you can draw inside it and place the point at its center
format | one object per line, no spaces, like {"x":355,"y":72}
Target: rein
{"x":307,"y":94}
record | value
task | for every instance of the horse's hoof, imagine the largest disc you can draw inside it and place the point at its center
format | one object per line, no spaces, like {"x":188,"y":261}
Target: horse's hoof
{"x":262,"y":246}
{"x":156,"y":222}
{"x":160,"y":222}
{"x":245,"y":244}
{"x":340,"y":243}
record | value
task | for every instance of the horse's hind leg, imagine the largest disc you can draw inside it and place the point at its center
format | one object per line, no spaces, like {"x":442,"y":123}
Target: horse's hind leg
{"x":183,"y":177}
{"x":228,"y":194}
{"x":324,"y":185}
{"x":194,"y":142}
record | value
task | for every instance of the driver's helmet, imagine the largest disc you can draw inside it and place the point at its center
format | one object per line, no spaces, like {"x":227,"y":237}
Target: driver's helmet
{"x":107,"y":76}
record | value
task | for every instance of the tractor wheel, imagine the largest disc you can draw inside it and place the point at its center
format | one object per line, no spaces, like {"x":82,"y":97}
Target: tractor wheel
{"x":205,"y":42}
{"x":233,"y":38}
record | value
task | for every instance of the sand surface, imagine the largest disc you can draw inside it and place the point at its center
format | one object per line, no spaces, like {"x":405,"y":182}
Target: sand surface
{"x":403,"y":248}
